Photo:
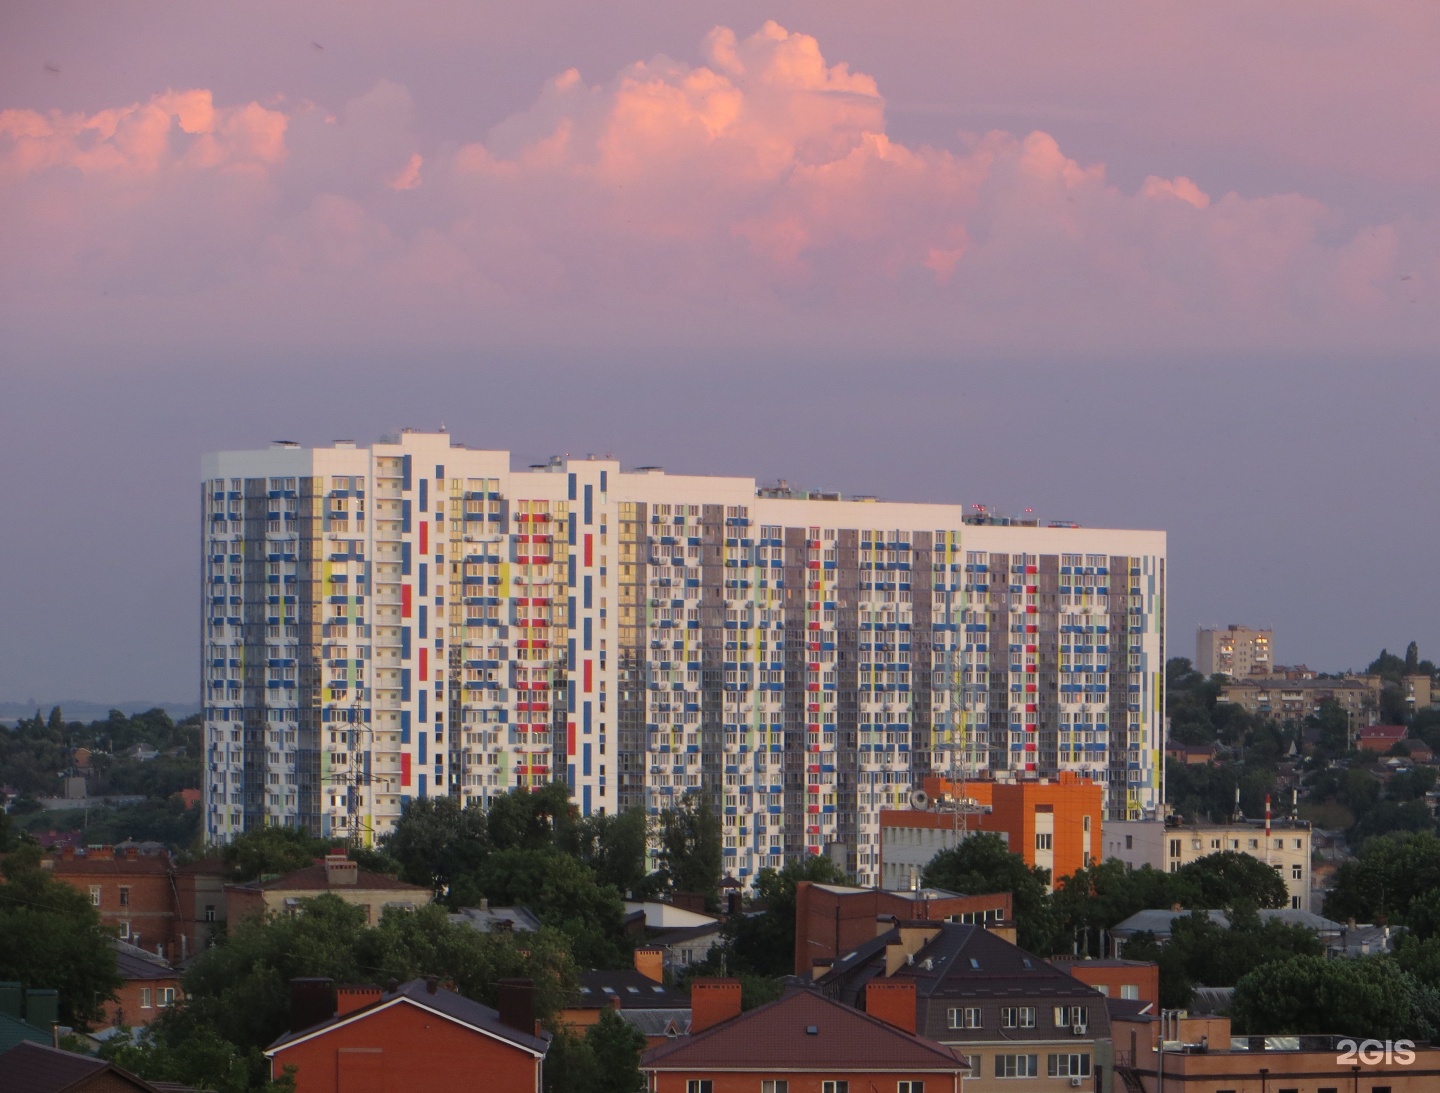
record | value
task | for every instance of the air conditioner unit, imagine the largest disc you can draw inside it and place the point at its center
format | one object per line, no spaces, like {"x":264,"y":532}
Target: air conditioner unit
{"x":1079,"y":1030}
{"x":1074,"y":1083}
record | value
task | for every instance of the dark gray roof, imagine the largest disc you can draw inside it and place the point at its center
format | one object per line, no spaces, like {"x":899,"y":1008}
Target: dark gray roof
{"x":15,"y":1031}
{"x":135,"y":963}
{"x":634,"y":990}
{"x":658,"y":1022}
{"x":959,"y":961}
{"x":684,"y":933}
{"x":452,"y":1005}
{"x":1160,"y":922}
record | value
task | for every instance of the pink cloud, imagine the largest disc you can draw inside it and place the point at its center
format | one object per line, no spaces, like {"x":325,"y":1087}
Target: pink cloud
{"x":760,"y":182}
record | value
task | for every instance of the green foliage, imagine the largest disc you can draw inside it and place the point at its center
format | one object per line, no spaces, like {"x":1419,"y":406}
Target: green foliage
{"x":51,"y":937}
{"x":38,"y":750}
{"x":533,"y":821}
{"x":691,"y":849}
{"x":1385,"y":878}
{"x":160,"y":820}
{"x":238,"y":993}
{"x":563,"y":892}
{"x":1226,"y":878}
{"x":614,"y":846}
{"x":441,"y":845}
{"x":605,"y":1060}
{"x":983,"y":863}
{"x":270,"y":850}
{"x":1202,"y":952}
{"x":1365,"y":996}
{"x":764,"y":945}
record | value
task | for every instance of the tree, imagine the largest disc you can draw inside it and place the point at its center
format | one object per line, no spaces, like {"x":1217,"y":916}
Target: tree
{"x":1228,"y":877}
{"x":764,"y":944}
{"x":563,"y":893}
{"x":605,"y":1060}
{"x":1362,"y":997}
{"x":1204,"y":952}
{"x":1104,"y":895}
{"x":692,"y":848}
{"x":52,"y":938}
{"x":617,"y":1048}
{"x":266,"y":850}
{"x":532,"y":821}
{"x":1389,"y":872}
{"x":238,"y":992}
{"x":614,"y":846}
{"x":442,"y":846}
{"x":983,"y":863}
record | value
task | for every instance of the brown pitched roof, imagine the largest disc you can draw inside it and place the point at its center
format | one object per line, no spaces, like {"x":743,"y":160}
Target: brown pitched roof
{"x":35,"y":1068}
{"x":315,"y":878}
{"x":777,"y":1037}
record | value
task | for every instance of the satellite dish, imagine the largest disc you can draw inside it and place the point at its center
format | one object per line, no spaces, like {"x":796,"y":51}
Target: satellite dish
{"x":919,"y":798}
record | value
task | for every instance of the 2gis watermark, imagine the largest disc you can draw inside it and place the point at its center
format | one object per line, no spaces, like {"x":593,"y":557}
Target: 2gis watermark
{"x":1375,"y":1052}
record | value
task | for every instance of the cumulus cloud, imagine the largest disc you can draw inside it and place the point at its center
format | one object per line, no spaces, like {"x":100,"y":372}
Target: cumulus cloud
{"x":756,"y":190}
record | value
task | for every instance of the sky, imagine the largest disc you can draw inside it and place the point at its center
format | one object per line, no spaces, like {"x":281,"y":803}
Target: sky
{"x":1129,"y":263}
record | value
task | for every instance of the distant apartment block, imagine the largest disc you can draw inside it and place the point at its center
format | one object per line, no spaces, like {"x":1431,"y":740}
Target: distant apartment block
{"x":1236,"y":651}
{"x":1296,"y":699}
{"x":417,"y":619}
{"x":1284,"y":846}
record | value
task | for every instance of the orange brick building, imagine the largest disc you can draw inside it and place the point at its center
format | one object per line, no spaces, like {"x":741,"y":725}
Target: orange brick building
{"x":419,"y":1036}
{"x":1051,"y":823}
{"x":831,"y":919}
{"x":146,"y":899}
{"x":149,"y":986}
{"x":1128,"y":980}
{"x":132,"y":892}
{"x":803,"y":1043}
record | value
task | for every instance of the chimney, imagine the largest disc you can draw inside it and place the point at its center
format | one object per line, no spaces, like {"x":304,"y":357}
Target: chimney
{"x":131,"y":853}
{"x":820,"y":965}
{"x":892,"y":1001}
{"x":432,"y":984}
{"x":713,"y":1001}
{"x":650,"y":962}
{"x":340,"y":870}
{"x":68,"y":852}
{"x":350,"y":999}
{"x":484,"y":905}
{"x":516,"y":1002}
{"x":311,"y":1002}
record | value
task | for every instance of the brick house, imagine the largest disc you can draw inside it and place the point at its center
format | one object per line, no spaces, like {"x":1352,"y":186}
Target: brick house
{"x":802,"y":1043}
{"x":1115,"y":977}
{"x":32,"y":1068}
{"x":1013,"y":1015}
{"x":149,"y":986}
{"x":132,"y":892}
{"x":831,"y":919}
{"x":335,"y":874}
{"x":415,"y":1036}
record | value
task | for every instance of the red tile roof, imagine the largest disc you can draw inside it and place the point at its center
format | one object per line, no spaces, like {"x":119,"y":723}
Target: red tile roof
{"x":777,"y":1037}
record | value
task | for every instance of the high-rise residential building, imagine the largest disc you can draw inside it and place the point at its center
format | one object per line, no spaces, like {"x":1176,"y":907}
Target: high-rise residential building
{"x":416,"y":618}
{"x":1236,"y":651}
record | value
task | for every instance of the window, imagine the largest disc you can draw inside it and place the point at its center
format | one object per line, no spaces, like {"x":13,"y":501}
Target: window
{"x":835,"y":1087}
{"x":699,"y":1085}
{"x":1129,"y":842}
{"x":1017,"y":1066}
{"x":1129,"y":990}
{"x":1297,"y":872}
{"x":124,"y":895}
{"x":909,"y":1087}
{"x":167,"y":996}
{"x":124,"y":931}
{"x":781,"y":1086}
{"x":1017,"y":1017}
{"x":1043,"y":840}
{"x":209,"y":912}
{"x":1068,"y":1066}
{"x":967,"y":1017}
{"x":145,"y":998}
{"x":95,"y":895}
{"x":1070,"y":1017}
